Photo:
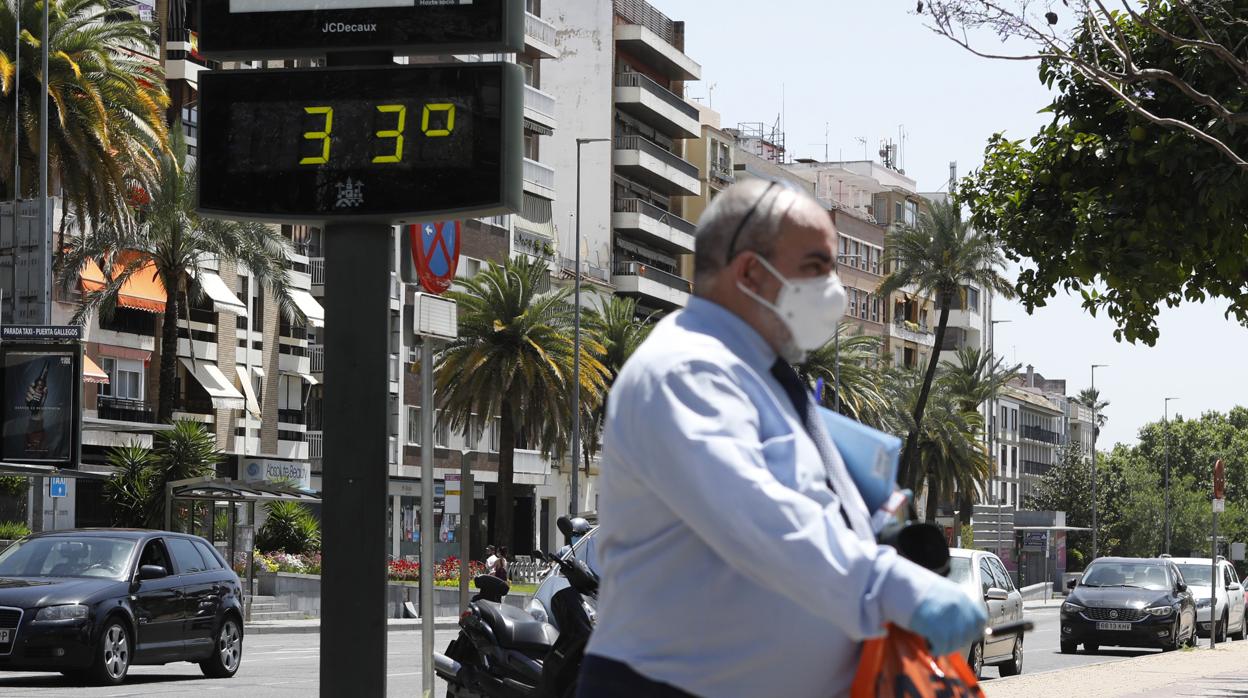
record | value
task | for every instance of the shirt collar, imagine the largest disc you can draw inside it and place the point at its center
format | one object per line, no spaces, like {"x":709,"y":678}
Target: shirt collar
{"x":736,"y":334}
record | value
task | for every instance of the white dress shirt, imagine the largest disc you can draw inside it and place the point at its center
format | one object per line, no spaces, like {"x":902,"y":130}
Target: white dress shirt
{"x":728,"y":569}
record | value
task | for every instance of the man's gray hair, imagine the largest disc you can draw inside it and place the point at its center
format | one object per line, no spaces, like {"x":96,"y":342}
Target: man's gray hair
{"x":770,"y":201}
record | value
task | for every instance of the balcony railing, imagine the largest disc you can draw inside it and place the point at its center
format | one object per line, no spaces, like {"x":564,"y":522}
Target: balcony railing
{"x":290,"y":416}
{"x":1032,"y":467}
{"x":318,"y":271}
{"x":122,"y":410}
{"x":641,"y":269}
{"x":643,"y":13}
{"x":191,"y":406}
{"x":649,"y":210}
{"x":651,"y":148}
{"x":395,"y":368}
{"x":1039,"y":434}
{"x":316,"y":353}
{"x":540,"y":29}
{"x":316,"y":448}
{"x":539,"y":174}
{"x":654,"y":88}
{"x":569,"y":265}
{"x":539,"y":101}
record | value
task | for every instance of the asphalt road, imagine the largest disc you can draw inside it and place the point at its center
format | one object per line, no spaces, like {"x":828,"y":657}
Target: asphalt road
{"x":1041,"y":651}
{"x":273,"y":665}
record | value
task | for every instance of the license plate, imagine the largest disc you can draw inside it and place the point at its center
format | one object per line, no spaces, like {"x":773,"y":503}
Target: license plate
{"x":1113,"y":626}
{"x":6,"y":636}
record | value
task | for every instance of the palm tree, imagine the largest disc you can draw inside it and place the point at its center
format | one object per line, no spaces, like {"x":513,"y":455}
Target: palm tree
{"x":974,"y":380}
{"x":1091,"y":398}
{"x":171,"y":236}
{"x":940,"y":257}
{"x":513,"y":360}
{"x":106,"y":117}
{"x":137,"y":491}
{"x":620,"y":331}
{"x":860,"y":377}
{"x":950,"y":456}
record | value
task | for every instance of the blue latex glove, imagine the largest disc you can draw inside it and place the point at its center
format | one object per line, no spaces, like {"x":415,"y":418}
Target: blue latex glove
{"x":948,"y":618}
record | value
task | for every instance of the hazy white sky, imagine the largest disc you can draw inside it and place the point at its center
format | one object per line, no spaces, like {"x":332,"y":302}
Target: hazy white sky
{"x":861,"y":69}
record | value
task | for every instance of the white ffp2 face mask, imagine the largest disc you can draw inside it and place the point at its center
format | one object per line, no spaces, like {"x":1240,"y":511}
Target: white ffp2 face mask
{"x":809,"y":308}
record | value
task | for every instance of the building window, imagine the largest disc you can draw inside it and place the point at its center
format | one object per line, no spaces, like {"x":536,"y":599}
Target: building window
{"x":1014,"y":460}
{"x":875,"y":308}
{"x":413,"y":426}
{"x":1005,"y":417}
{"x":862,"y":306}
{"x":125,"y":379}
{"x":912,"y":213}
{"x":972,"y":299}
{"x":494,"y":432}
{"x":441,"y":430}
{"x":853,"y":301}
{"x":1013,"y":420}
{"x":1004,"y":462}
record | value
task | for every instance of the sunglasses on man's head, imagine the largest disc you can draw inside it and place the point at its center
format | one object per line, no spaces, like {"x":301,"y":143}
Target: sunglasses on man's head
{"x":732,"y":244}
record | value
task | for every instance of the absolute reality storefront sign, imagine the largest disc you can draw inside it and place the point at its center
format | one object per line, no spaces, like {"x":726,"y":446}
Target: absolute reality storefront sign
{"x":298,"y":475}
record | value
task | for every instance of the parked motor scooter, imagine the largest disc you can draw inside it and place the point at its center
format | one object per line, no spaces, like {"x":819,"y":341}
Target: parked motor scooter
{"x":502,"y":652}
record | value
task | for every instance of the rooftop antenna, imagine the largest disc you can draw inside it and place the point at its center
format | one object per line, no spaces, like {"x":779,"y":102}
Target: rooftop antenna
{"x":902,"y":136}
{"x":826,"y":142}
{"x":781,"y":119}
{"x":710,"y":99}
{"x":866,"y":153}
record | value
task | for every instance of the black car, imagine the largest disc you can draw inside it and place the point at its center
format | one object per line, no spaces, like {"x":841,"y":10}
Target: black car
{"x":1129,"y":602}
{"x":92,"y":603}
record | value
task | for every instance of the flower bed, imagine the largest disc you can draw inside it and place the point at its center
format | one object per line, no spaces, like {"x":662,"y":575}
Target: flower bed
{"x":445,"y":573}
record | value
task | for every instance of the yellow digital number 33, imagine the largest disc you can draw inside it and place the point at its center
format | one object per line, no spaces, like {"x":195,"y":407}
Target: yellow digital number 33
{"x":396,"y":134}
{"x":322,"y":136}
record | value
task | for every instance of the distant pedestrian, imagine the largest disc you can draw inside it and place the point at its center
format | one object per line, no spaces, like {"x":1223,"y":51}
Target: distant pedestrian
{"x":499,"y":568}
{"x":491,"y":556}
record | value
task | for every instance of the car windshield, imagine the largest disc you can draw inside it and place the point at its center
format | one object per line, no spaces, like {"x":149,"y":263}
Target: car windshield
{"x":1143,"y":575}
{"x":67,"y":556}
{"x":1196,"y":575}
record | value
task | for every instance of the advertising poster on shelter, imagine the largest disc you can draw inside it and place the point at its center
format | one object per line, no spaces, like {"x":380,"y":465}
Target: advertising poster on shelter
{"x":38,"y":408}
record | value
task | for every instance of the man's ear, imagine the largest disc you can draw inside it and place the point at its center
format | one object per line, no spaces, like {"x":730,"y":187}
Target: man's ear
{"x":745,"y":270}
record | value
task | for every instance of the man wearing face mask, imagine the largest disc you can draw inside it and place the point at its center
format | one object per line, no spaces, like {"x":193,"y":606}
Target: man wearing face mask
{"x":738,"y":559}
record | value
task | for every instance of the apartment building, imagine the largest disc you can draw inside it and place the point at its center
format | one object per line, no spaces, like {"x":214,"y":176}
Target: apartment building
{"x":621,"y":77}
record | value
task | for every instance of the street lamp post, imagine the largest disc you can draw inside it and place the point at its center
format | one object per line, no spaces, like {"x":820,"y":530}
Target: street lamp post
{"x":992,"y":414}
{"x":836,"y":352}
{"x":576,"y":339}
{"x":1096,"y":431}
{"x":1167,"y":436}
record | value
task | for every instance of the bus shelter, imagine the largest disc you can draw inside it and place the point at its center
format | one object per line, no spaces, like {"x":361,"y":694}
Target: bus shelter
{"x":223,"y":511}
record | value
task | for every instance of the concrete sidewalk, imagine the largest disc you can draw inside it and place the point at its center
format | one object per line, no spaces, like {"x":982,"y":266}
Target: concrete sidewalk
{"x":1198,"y":672}
{"x":313,"y":625}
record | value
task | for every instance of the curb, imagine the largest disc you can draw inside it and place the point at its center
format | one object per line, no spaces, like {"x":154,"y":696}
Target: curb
{"x":316,"y":629}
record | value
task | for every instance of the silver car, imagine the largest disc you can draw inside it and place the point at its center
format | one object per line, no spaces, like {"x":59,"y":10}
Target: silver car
{"x":983,"y":577}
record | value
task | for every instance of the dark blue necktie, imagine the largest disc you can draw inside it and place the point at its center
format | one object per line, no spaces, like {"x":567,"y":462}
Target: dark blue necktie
{"x":804,"y":404}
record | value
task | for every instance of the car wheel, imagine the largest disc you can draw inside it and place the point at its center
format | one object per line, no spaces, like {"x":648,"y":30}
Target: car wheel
{"x":976,"y":659}
{"x":1091,"y":647}
{"x":1242,"y":634}
{"x":1070,"y":647}
{"x":227,"y":651}
{"x":1014,"y":667}
{"x":112,"y":655}
{"x":1221,"y":628}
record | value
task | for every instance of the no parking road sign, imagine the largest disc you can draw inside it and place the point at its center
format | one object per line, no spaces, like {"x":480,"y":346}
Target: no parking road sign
{"x":435,"y":252}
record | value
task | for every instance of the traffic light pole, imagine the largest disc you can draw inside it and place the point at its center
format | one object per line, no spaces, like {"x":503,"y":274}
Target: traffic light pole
{"x":356,"y":470}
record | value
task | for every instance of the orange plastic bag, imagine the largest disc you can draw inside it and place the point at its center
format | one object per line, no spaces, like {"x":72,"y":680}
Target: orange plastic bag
{"x":900,"y":664}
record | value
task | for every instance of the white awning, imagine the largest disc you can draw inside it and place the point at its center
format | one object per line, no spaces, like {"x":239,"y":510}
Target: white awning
{"x":307,"y":378}
{"x":259,"y":371}
{"x":311,"y":309}
{"x":224,"y":396}
{"x":253,"y":405}
{"x":221,"y":295}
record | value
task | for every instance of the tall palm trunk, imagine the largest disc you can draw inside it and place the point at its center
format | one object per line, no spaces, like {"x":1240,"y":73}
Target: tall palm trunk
{"x":168,"y":352}
{"x":912,"y":441}
{"x":504,"y":511}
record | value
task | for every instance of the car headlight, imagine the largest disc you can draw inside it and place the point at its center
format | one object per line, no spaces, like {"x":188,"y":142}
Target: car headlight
{"x":1068,"y":607}
{"x":537,"y":610}
{"x":69,"y":612}
{"x":1161,"y":611}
